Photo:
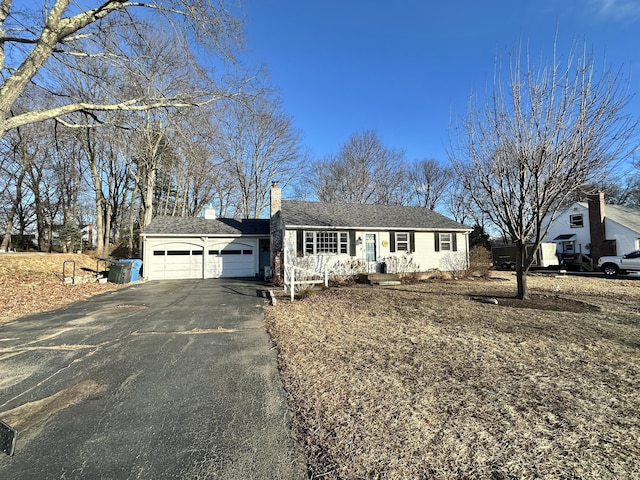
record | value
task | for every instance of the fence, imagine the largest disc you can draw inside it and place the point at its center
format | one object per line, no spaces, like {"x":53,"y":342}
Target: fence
{"x":307,"y":278}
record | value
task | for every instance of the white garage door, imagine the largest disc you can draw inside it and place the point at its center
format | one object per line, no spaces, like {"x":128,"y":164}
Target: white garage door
{"x":233,"y":259}
{"x":175,"y":261}
{"x":180,"y":260}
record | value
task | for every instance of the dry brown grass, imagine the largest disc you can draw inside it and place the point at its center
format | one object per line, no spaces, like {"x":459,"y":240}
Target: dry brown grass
{"x":32,"y":283}
{"x":422,"y":381}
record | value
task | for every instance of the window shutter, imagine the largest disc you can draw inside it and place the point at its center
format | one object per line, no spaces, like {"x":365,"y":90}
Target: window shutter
{"x":352,"y":243}
{"x":454,"y":241}
{"x":300,"y":242}
{"x":436,"y":238}
{"x":392,"y":241}
{"x":412,"y":241}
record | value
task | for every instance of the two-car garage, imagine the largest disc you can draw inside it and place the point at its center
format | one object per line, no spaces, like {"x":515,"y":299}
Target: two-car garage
{"x":184,"y":248}
{"x":175,"y":260}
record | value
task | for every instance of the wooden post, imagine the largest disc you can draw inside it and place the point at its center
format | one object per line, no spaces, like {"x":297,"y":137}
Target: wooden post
{"x":293,"y":282}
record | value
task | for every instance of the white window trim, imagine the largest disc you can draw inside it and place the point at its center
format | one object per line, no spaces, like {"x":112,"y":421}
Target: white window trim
{"x":576,"y":216}
{"x":405,"y":242}
{"x":341,"y":242}
{"x":446,"y":244}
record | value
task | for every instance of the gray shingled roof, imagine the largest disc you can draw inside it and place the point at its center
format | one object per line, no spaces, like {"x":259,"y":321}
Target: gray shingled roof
{"x":349,"y":215}
{"x":625,"y":216}
{"x":162,"y":225}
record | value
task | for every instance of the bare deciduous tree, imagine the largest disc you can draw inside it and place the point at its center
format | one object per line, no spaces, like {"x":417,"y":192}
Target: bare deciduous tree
{"x":363,"y":171}
{"x":38,"y":39}
{"x":259,"y":145}
{"x":429,"y":181}
{"x":551,"y":130}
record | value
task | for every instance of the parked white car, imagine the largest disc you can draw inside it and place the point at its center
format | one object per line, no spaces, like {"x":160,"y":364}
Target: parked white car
{"x":620,"y":264}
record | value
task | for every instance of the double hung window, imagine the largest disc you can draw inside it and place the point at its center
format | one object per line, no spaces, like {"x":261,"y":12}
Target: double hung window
{"x":402,"y":242}
{"x":319,"y":242}
{"x":576,"y":221}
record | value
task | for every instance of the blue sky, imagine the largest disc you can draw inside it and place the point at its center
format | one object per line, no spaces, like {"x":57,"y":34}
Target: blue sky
{"x":403,"y":67}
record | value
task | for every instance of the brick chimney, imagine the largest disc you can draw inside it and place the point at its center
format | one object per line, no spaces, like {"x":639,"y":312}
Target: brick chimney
{"x":277,"y":234}
{"x":596,"y":224}
{"x":276,"y":199}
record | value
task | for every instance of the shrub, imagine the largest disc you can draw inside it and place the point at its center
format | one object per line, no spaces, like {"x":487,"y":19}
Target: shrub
{"x":480,"y":261}
{"x":305,"y":292}
{"x":456,"y":263}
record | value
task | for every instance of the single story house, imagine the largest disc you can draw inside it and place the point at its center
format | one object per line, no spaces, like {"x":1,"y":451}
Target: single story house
{"x":343,"y":237}
{"x":595,"y":229}
{"x":338,"y":237}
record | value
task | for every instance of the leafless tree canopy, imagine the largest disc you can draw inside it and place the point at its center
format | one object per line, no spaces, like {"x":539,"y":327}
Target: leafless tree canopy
{"x":545,"y":132}
{"x":363,"y":171}
{"x":429,"y":181}
{"x":41,"y":39}
{"x":135,"y":70}
{"x":257,"y":145}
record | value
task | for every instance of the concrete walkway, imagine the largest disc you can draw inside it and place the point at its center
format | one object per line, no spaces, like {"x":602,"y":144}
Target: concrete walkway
{"x":161,"y":380}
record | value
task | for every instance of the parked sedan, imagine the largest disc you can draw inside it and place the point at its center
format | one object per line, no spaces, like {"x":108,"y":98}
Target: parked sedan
{"x":620,"y":264}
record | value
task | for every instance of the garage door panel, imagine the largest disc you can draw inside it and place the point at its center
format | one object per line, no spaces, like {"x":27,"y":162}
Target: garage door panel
{"x":176,"y":261}
{"x":231,"y":259}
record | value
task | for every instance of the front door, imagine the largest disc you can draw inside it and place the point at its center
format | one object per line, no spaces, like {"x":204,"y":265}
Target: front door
{"x":370,"y":251}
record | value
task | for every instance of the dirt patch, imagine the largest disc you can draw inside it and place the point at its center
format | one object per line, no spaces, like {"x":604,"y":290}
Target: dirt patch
{"x":540,"y":302}
{"x":421,"y":381}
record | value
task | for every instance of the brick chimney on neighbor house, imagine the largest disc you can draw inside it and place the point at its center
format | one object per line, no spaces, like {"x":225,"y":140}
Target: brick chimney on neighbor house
{"x":277,"y":234}
{"x":596,"y":224}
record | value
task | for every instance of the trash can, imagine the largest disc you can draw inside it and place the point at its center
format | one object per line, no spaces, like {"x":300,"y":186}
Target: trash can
{"x":120,"y":272}
{"x":136,"y":264}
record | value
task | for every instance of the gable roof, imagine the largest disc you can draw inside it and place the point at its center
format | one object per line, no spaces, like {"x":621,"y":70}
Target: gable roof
{"x":165,"y":225}
{"x":350,"y":215}
{"x":625,"y":216}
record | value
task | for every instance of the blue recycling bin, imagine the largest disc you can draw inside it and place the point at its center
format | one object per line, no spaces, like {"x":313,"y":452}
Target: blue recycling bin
{"x":135,"y":268}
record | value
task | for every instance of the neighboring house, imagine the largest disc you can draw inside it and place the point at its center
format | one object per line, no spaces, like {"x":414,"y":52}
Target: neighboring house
{"x":339,"y":237}
{"x":595,"y":229}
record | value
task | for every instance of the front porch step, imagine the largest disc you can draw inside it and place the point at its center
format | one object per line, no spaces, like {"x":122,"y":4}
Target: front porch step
{"x":379,"y":278}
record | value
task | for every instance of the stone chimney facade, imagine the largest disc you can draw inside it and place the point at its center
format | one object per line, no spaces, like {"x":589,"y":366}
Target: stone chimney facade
{"x":276,"y":199}
{"x":277,"y":234}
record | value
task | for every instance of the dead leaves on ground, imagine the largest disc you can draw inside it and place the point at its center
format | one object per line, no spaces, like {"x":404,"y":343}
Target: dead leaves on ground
{"x":23,"y":295}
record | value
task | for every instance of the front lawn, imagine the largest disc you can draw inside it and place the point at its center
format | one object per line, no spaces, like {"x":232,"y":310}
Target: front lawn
{"x":429,"y":381}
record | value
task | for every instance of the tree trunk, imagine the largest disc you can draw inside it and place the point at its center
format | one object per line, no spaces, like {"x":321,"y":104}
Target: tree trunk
{"x":7,"y":234}
{"x":521,"y":272}
{"x":132,"y":217}
{"x":14,"y":207}
{"x":149,"y":181}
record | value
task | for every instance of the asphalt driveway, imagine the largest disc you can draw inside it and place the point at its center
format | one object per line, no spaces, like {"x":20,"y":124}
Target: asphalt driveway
{"x":159,"y":380}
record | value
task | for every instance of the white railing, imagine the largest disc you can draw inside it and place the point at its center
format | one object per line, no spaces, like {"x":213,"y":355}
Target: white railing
{"x":290,"y":281}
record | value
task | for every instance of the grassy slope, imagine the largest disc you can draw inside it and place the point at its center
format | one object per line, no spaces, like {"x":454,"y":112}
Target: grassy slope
{"x":41,"y":263}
